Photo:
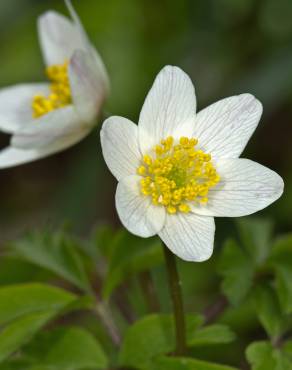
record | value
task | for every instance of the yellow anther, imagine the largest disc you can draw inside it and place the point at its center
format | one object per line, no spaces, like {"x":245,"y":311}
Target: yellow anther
{"x":193,"y":141}
{"x":141,"y":170}
{"x":185,"y":208}
{"x":177,"y":175}
{"x":171,"y":210}
{"x":147,"y":160}
{"x":183,"y":140}
{"x":60,"y":92}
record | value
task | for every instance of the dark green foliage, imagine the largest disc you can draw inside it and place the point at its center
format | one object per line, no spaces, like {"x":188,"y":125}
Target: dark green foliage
{"x":154,"y":335}
{"x":38,"y":321}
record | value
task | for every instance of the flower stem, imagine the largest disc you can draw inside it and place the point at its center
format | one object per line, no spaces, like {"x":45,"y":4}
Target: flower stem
{"x":177,"y":301}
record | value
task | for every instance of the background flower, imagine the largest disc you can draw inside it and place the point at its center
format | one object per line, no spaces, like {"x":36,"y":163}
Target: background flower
{"x":45,"y":118}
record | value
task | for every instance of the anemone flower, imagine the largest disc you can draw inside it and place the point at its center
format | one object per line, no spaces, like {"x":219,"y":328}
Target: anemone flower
{"x":178,"y":169}
{"x":45,"y":118}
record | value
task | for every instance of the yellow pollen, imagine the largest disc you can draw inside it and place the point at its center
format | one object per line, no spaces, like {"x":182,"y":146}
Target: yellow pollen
{"x":177,"y":175}
{"x":60,"y":92}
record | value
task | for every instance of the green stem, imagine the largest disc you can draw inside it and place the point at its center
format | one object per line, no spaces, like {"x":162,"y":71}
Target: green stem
{"x":177,"y":301}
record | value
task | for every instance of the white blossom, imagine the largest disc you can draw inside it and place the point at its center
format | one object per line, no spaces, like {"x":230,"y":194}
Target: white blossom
{"x":45,"y":118}
{"x":177,"y":169}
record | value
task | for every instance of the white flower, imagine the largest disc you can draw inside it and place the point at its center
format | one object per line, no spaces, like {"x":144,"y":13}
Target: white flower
{"x":45,"y":118}
{"x":178,"y":169}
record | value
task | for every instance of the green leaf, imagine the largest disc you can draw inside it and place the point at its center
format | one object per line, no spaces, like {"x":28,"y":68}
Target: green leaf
{"x":268,"y":310}
{"x":130,"y":255}
{"x":256,"y":234}
{"x":151,"y":336}
{"x":69,"y":348}
{"x":154,"y":335}
{"x":24,"y":309}
{"x":168,"y":363}
{"x":56,"y":252}
{"x":20,"y":331}
{"x":237,"y":271}
{"x":281,"y":261}
{"x":263,"y":356}
{"x":23,"y":299}
{"x":212,"y":334}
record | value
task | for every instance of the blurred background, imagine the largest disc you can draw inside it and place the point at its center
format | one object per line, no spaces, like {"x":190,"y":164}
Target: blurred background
{"x":226,"y":46}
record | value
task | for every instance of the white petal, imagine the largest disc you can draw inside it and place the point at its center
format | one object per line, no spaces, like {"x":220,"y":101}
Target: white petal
{"x":100,"y":67}
{"x":59,"y":37}
{"x":169,"y":108}
{"x":136,"y":211}
{"x":224,"y":128}
{"x":87,"y":85}
{"x":189,"y":236}
{"x":10,"y":157}
{"x":54,"y":126}
{"x":16,"y":105}
{"x":245,"y":187}
{"x":119,"y":141}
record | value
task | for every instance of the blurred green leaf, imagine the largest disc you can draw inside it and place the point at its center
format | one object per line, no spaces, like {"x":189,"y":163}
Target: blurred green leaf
{"x":260,"y":356}
{"x":168,"y":363}
{"x":23,"y":299}
{"x":263,"y":356}
{"x":237,"y":271}
{"x":130,"y":255}
{"x":268,"y":310}
{"x":155,"y":334}
{"x":26,"y":308}
{"x":211,"y":334}
{"x":56,"y":252}
{"x":69,"y":348}
{"x":281,"y":261}
{"x":256,"y":234}
{"x":21,"y":330}
{"x":16,"y":364}
{"x":23,"y":271}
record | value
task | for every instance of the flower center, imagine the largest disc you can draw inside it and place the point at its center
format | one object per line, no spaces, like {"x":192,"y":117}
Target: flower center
{"x":177,"y":174}
{"x":60,"y":93}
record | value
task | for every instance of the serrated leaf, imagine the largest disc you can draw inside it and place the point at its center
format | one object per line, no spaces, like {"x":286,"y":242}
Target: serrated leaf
{"x":237,"y":271}
{"x":263,"y":356}
{"x":256,"y":234}
{"x":56,"y":252}
{"x":268,"y":310}
{"x":130,"y":255}
{"x":155,"y":334}
{"x":23,"y":299}
{"x":21,"y":330}
{"x":70,"y":348}
{"x":211,"y":334}
{"x":281,"y":261}
{"x":168,"y":363}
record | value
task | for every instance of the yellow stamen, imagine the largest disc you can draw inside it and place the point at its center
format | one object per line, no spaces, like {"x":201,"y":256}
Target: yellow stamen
{"x":60,"y":93}
{"x":177,"y":175}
